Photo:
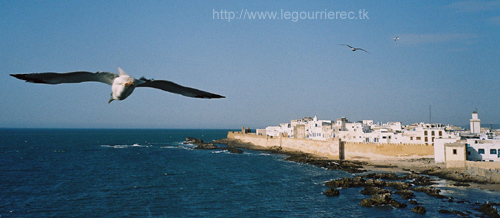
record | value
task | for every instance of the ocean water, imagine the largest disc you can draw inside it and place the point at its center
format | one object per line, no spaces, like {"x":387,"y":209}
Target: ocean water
{"x":151,"y":173}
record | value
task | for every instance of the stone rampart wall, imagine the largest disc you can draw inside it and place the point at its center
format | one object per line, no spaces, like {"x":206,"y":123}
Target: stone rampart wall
{"x":373,"y":151}
{"x":335,"y":149}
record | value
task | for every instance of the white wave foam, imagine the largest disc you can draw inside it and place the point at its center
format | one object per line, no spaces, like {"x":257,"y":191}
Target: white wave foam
{"x":125,"y":146}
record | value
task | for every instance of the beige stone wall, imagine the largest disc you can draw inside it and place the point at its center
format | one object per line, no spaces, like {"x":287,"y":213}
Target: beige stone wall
{"x":327,"y":149}
{"x":490,"y":170}
{"x":335,"y":149}
{"x":373,"y":151}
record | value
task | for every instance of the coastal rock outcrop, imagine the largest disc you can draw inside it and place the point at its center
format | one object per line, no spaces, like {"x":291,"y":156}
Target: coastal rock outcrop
{"x":381,"y":199}
{"x":419,"y":209}
{"x":332,"y":192}
{"x":210,"y":146}
{"x":489,"y":210}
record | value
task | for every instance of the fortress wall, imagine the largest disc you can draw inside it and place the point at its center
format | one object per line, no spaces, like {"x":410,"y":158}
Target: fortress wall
{"x":489,"y":170}
{"x":327,"y":149}
{"x":335,"y":149}
{"x":373,"y":151}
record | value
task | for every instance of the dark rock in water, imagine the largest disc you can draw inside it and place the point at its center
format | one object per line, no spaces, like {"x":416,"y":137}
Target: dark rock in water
{"x":422,"y":181}
{"x":459,"y":213}
{"x":460,"y":184}
{"x":405,"y":194}
{"x":210,"y":146}
{"x":374,"y":190}
{"x":398,"y":185}
{"x":332,"y":192}
{"x":429,"y":191}
{"x":396,"y":204}
{"x":377,"y":200}
{"x":414,"y":202}
{"x":346,"y":182}
{"x":234,"y":150}
{"x":375,"y":183}
{"x":489,"y":210}
{"x":194,"y":140}
{"x":419,"y":209}
{"x":207,"y":146}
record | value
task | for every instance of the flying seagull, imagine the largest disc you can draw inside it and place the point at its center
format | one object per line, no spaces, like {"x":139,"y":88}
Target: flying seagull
{"x":396,"y":38}
{"x":122,"y":85}
{"x":355,"y":49}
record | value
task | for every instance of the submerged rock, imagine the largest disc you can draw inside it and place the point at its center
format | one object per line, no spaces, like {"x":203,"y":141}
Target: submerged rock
{"x":346,"y":182}
{"x":374,"y":190}
{"x":194,"y":140}
{"x":380,"y":200}
{"x":397,"y":204}
{"x":234,"y":150}
{"x":459,"y":213}
{"x":390,"y":176}
{"x":332,"y":192}
{"x":207,"y":146}
{"x":429,"y":191}
{"x":419,"y":209}
{"x":489,"y":210}
{"x":405,"y":194}
{"x":422,"y":181}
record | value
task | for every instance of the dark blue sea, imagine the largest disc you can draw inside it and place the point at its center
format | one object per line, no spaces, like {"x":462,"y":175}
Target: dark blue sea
{"x":151,"y":173}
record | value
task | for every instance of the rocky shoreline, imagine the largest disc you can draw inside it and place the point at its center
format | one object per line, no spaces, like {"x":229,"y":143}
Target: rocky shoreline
{"x":200,"y":145}
{"x":381,"y":187}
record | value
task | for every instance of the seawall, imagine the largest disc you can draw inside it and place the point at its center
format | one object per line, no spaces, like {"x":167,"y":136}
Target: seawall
{"x":326,"y":149}
{"x":336,"y":149}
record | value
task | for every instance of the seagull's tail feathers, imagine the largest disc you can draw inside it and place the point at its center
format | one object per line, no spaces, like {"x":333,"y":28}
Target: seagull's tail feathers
{"x":121,"y":72}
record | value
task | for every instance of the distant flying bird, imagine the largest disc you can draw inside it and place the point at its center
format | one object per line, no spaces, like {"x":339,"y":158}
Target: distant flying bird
{"x":355,"y":49}
{"x":122,"y":85}
{"x":396,"y":38}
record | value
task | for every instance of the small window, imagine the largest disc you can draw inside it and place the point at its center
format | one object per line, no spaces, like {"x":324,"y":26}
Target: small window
{"x":493,"y":151}
{"x":411,"y":138}
{"x":454,"y":151}
{"x":432,"y":133}
{"x":480,"y":151}
{"x":425,"y":132}
{"x":418,"y":138}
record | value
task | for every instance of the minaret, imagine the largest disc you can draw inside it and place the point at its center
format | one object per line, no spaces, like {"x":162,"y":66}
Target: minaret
{"x":475,"y":123}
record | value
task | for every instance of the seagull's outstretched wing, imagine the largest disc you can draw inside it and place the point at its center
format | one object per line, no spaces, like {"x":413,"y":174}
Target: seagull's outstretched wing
{"x":71,"y":77}
{"x":362,"y":50}
{"x":176,"y":88}
{"x":346,"y":45}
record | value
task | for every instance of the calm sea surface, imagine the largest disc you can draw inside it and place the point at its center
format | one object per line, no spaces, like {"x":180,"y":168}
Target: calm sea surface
{"x":151,"y":173}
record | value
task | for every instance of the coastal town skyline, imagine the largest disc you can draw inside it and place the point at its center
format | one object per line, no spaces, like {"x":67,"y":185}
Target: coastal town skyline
{"x":274,"y":62}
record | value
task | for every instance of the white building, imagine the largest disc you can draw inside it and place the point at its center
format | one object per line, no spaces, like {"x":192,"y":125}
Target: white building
{"x":483,"y":150}
{"x":365,"y":131}
{"x":392,"y":132}
{"x":475,"y":124}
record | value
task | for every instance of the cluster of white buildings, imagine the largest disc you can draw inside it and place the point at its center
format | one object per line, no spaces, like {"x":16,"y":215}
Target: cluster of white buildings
{"x":480,"y":144}
{"x":365,"y":131}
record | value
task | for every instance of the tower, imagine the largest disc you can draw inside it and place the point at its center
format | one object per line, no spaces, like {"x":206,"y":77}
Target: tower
{"x":475,"y":123}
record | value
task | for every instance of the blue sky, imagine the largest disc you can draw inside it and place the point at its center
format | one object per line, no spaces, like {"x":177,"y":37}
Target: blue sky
{"x":270,"y":70}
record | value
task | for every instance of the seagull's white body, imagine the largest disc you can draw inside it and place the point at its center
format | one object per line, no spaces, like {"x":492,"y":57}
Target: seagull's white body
{"x":122,"y":85}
